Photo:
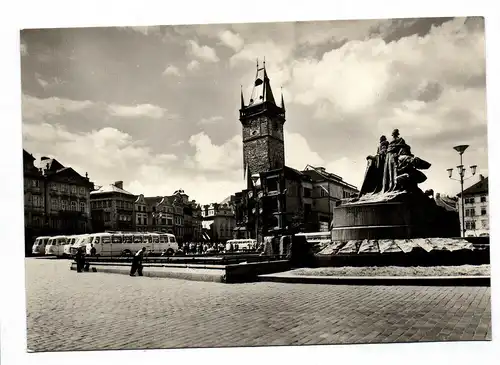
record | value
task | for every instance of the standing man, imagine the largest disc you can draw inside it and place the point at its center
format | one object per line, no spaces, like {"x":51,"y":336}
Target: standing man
{"x":78,"y":259}
{"x":137,"y":262}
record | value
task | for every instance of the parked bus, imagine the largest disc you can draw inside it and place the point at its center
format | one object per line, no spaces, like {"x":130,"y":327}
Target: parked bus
{"x":127,"y":243}
{"x":55,"y":246}
{"x":39,"y":245}
{"x":242,"y":244}
{"x":74,"y":242}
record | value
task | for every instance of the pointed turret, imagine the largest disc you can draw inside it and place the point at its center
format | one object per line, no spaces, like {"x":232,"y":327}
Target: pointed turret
{"x":282,"y":101}
{"x":242,"y":99}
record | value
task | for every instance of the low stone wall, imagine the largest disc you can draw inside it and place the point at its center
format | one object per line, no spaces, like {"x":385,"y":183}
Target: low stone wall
{"x":238,"y":273}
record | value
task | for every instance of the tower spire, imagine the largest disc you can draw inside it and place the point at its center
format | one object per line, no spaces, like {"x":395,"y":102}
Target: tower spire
{"x":282,"y":101}
{"x":242,"y":99}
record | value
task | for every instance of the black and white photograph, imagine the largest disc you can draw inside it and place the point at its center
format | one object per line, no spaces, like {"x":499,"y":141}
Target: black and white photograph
{"x":255,"y":184}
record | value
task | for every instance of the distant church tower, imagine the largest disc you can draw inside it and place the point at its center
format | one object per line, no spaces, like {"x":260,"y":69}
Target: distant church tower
{"x":262,"y":121}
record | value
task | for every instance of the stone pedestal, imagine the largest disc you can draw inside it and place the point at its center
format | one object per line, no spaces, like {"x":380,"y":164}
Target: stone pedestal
{"x":410,"y":216}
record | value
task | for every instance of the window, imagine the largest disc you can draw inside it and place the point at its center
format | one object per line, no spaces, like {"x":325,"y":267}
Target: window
{"x":97,"y":239}
{"x":484,"y":224}
{"x":106,"y":239}
{"x":483,"y":199}
{"x":53,"y":186}
{"x":272,"y":185}
{"x":117,"y":239}
{"x":35,"y":183}
{"x":82,"y":190}
{"x":74,"y":206}
{"x":172,"y":239}
{"x":53,"y":203}
{"x":82,"y":207}
{"x":470,"y":225}
{"x":470,"y":212}
{"x":137,"y":239}
{"x":36,"y":201}
{"x":163,"y":240}
{"x":156,"y":239}
{"x":73,"y":189}
{"x":469,"y":200}
{"x":170,"y":222}
{"x":483,"y":211}
{"x":107,"y":216}
{"x":307,"y":193}
{"x":64,"y":205}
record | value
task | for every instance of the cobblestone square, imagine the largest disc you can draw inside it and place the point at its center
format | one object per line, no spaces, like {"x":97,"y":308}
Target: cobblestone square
{"x":94,"y":311}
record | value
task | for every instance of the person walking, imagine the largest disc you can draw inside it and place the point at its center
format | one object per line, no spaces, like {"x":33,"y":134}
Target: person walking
{"x":137,"y":262}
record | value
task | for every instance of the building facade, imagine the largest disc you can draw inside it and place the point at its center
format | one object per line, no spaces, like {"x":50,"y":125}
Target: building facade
{"x":476,"y":209}
{"x":56,"y":199}
{"x":34,"y":200}
{"x":174,"y":214}
{"x":218,"y":222}
{"x":112,"y":208}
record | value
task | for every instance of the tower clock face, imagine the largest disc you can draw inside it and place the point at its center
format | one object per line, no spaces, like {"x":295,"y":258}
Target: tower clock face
{"x":254,"y":130}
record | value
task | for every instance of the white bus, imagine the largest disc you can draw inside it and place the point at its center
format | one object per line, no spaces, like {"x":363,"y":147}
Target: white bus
{"x":317,"y":237}
{"x":128,"y":243}
{"x":39,"y":245}
{"x":242,"y":244}
{"x":74,"y":242}
{"x":55,"y":246}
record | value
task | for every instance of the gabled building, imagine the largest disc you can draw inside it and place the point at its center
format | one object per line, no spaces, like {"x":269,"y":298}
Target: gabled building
{"x":476,"y":209}
{"x":34,"y":200}
{"x":112,"y":208}
{"x":174,"y":214}
{"x":218,"y":222}
{"x":67,"y":206}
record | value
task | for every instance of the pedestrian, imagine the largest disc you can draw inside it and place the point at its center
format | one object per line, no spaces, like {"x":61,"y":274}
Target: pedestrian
{"x":78,"y":260}
{"x":92,"y":250}
{"x":137,"y":262}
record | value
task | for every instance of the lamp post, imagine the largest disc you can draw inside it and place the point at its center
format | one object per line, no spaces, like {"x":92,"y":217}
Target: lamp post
{"x":461,"y":172}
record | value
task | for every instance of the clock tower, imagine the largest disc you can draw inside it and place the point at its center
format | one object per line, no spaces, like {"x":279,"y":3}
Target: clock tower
{"x":262,"y":123}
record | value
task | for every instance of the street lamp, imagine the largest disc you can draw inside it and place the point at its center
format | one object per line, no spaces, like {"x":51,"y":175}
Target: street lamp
{"x":461,"y":172}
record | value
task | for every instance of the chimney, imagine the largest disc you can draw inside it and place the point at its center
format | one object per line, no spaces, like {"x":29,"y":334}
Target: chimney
{"x":43,"y":158}
{"x":481,"y":177}
{"x":118,"y":184}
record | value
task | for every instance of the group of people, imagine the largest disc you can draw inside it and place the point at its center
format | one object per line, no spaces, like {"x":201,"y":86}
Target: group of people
{"x":199,"y":248}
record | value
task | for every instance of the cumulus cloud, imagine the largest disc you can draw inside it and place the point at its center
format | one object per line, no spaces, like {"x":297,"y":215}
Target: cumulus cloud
{"x":38,"y":108}
{"x":141,"y":110}
{"x":193,"y":65}
{"x":171,"y":70}
{"x":204,"y":53}
{"x":231,"y":40}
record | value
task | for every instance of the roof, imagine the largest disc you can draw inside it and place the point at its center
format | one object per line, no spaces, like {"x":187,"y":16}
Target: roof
{"x":320,"y":174}
{"x":27,"y":155}
{"x":110,"y":188}
{"x":445,"y":202}
{"x":481,"y":187}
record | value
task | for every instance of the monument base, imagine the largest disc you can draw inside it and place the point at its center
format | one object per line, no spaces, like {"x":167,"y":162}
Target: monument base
{"x":404,"y":217}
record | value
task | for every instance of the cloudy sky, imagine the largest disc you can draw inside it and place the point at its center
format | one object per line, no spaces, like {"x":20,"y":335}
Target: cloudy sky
{"x":157,"y":107}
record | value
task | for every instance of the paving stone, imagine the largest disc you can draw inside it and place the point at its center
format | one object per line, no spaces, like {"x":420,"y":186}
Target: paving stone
{"x":90,"y":311}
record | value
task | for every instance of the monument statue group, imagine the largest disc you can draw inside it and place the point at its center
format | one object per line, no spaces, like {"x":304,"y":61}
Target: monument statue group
{"x":390,"y":204}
